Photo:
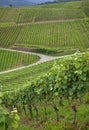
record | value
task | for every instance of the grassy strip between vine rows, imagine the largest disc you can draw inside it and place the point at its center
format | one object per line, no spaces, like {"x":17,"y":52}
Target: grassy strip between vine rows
{"x":20,"y":78}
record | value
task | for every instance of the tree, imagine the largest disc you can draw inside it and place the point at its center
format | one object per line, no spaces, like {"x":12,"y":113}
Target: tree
{"x":10,"y":5}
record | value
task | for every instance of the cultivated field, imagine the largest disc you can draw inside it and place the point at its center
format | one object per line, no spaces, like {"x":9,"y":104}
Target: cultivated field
{"x":60,"y":35}
{"x":53,"y":95}
{"x":54,"y":36}
{"x":9,"y":60}
{"x":42,"y":13}
{"x":21,"y":78}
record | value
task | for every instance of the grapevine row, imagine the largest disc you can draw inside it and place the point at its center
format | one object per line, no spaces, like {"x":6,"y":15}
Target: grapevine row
{"x":67,"y":80}
{"x":62,"y":35}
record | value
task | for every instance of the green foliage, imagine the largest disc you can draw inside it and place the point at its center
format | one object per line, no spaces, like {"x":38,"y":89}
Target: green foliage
{"x":7,"y":120}
{"x":15,"y":118}
{"x":3,"y":118}
{"x":67,"y":79}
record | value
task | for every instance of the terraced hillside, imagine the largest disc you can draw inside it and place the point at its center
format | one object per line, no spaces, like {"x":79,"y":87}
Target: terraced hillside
{"x":62,"y":29}
{"x":41,"y":13}
{"x":51,"y":95}
{"x":55,"y":36}
{"x":50,"y":29}
{"x":62,"y":37}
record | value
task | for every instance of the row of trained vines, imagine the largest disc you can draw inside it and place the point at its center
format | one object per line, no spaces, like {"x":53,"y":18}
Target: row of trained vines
{"x":67,"y":80}
{"x":8,"y":14}
{"x":17,"y":79}
{"x":41,"y":13}
{"x":61,"y":35}
{"x":55,"y":35}
{"x":10,"y":59}
{"x":8,"y":35}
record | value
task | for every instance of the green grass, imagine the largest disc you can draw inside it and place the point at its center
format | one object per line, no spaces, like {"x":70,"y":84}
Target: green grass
{"x":21,"y":78}
{"x":9,"y":59}
{"x":65,"y":114}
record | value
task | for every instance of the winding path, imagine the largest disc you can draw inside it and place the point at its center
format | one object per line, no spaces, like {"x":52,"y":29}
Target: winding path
{"x":43,"y":58}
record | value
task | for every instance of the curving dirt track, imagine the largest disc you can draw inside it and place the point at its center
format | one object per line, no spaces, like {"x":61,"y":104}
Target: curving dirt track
{"x":43,"y":58}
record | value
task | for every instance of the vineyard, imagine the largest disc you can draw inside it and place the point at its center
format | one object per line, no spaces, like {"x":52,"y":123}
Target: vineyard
{"x":52,"y":94}
{"x":8,"y":35}
{"x":11,"y":60}
{"x":38,"y":14}
{"x":22,"y":77}
{"x":63,"y":35}
{"x":41,"y":13}
{"x":65,"y":84}
{"x":52,"y":36}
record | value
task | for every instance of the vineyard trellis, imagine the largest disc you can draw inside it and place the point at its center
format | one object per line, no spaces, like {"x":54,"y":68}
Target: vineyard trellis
{"x":11,"y":59}
{"x":66,"y":80}
{"x":47,"y":35}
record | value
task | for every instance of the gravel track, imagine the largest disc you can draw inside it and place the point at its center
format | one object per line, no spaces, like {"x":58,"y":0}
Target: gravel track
{"x":43,"y":58}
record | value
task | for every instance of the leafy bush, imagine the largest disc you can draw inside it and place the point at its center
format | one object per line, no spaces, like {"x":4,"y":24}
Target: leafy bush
{"x":8,"y":120}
